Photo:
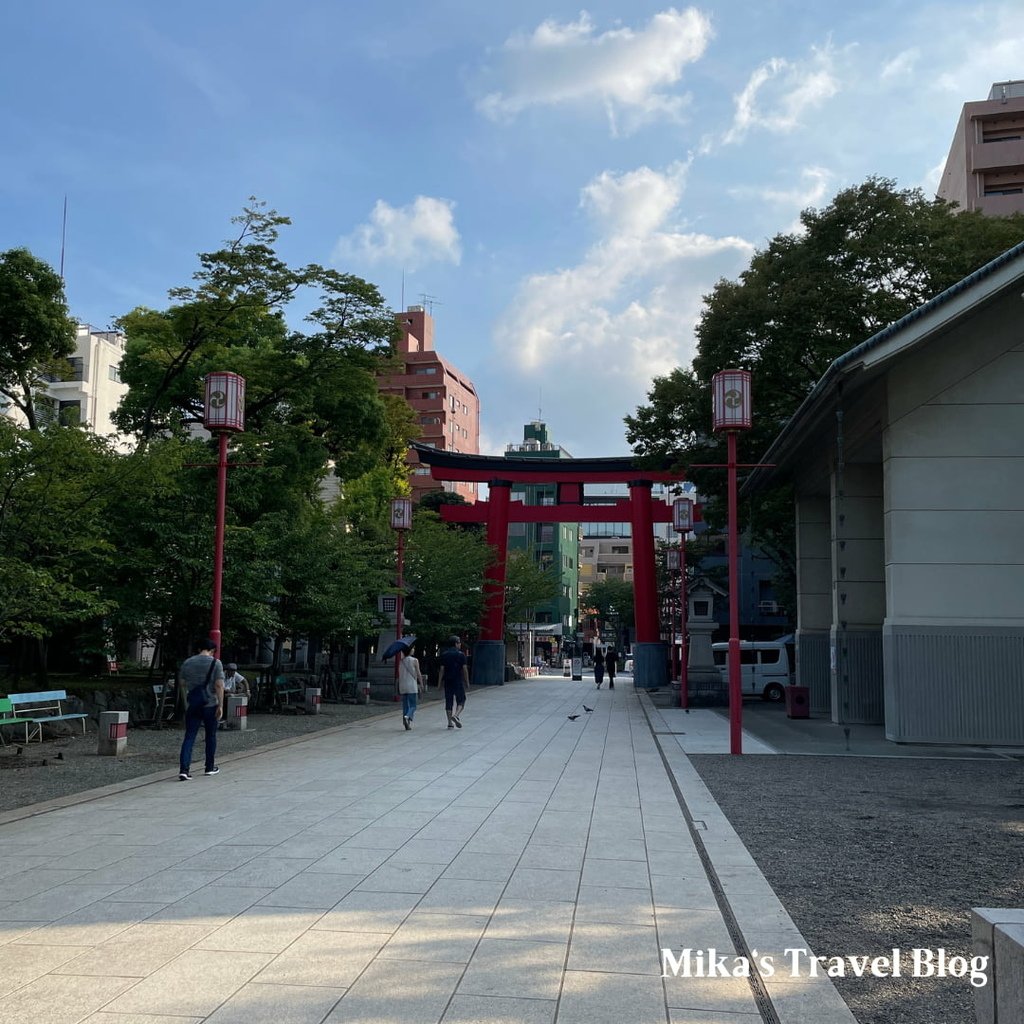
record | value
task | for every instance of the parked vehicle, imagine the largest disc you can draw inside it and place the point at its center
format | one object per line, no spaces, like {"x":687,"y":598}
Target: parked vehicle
{"x":765,"y":667}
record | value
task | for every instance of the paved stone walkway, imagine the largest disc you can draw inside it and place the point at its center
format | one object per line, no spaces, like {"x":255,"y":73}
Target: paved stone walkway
{"x":526,"y":868}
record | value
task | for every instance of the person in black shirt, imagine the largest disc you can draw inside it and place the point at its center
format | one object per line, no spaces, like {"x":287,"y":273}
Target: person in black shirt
{"x":611,"y":663}
{"x":454,"y":676}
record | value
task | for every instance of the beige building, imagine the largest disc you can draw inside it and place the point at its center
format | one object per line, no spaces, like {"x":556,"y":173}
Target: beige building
{"x":90,"y":390}
{"x":985,"y":167}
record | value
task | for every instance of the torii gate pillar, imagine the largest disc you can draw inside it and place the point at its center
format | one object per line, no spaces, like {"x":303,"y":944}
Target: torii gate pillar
{"x":650,"y":652}
{"x":489,"y":650}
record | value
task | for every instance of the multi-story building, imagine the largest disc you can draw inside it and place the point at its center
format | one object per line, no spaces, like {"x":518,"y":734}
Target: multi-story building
{"x":551,"y":545}
{"x":89,"y":391}
{"x":985,"y":167}
{"x":444,"y":399}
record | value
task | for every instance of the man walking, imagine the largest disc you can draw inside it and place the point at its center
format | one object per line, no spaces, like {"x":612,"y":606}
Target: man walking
{"x":454,"y":675}
{"x":611,"y":663}
{"x":203,"y":679}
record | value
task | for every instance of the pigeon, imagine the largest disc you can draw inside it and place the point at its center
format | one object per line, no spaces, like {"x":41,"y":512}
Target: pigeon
{"x":60,"y":756}
{"x":572,"y":718}
{"x":588,"y":710}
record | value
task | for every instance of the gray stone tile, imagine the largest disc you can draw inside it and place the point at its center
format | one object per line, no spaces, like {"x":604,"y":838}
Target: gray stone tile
{"x":266,"y":872}
{"x":626,"y":948}
{"x":304,"y":845}
{"x":260,"y":929}
{"x":168,"y":886}
{"x":91,"y":925}
{"x":193,"y":984}
{"x":427,"y":851}
{"x":673,"y":842}
{"x":136,"y":952}
{"x":540,"y":920}
{"x":543,"y":884}
{"x":559,"y":858}
{"x":316,"y":891}
{"x":327,"y":959}
{"x":613,"y":905}
{"x":427,"y":936}
{"x":711,"y":995}
{"x":510,"y":967}
{"x":687,"y":892}
{"x":622,"y":874}
{"x":369,"y":912}
{"x":462,"y":896}
{"x":499,"y":1010}
{"x":406,"y":992}
{"x":212,"y":905}
{"x":20,"y":965}
{"x":14,"y":931}
{"x":693,"y":929}
{"x":102,"y":1017}
{"x":592,"y":997}
{"x":382,"y":837}
{"x":712,"y":1017}
{"x":25,"y":884}
{"x":66,"y":999}
{"x":350,"y":860}
{"x":57,"y":902}
{"x":282,"y":1004}
{"x":497,"y":867}
{"x":605,"y":847}
{"x":402,"y":877}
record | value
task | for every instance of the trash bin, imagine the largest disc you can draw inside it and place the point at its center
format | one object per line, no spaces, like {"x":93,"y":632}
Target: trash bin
{"x":798,"y":702}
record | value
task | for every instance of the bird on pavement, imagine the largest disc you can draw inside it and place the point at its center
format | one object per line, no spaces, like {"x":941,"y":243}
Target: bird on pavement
{"x":572,"y":718}
{"x":588,"y":710}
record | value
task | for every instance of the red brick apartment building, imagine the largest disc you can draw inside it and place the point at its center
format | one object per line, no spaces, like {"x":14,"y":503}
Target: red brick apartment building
{"x":443,"y":398}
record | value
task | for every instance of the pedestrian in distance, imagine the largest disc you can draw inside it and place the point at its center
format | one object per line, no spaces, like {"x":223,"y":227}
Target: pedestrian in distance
{"x":611,"y":663}
{"x":410,"y":682}
{"x":454,"y":676}
{"x":202,"y":676}
{"x":598,"y":668}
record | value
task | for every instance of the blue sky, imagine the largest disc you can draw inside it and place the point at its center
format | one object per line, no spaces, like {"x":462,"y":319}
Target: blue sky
{"x":567,"y":182}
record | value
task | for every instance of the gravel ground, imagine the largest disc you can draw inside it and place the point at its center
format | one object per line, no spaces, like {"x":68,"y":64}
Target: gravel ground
{"x":869,"y":853}
{"x":24,"y":779}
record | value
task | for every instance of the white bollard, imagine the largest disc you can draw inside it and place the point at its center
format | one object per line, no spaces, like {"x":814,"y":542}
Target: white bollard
{"x":312,"y":700}
{"x":238,"y":712}
{"x":113,"y":733}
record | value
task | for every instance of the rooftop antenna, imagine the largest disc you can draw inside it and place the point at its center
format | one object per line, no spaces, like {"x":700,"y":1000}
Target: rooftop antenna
{"x":63,"y":236}
{"x":430,"y":301}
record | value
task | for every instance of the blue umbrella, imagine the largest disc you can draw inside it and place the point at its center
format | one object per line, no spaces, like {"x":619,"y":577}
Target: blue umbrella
{"x":398,"y":647}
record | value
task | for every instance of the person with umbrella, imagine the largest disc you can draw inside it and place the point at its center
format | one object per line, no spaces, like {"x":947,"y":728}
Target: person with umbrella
{"x":410,"y":678}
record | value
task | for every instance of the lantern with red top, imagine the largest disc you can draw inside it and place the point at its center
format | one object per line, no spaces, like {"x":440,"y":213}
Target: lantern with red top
{"x":401,"y":520}
{"x":401,"y":513}
{"x":225,"y":402}
{"x":682,"y":515}
{"x":682,"y":521}
{"x":730,"y":391}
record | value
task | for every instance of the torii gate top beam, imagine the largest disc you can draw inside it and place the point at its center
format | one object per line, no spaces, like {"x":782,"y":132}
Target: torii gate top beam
{"x":456,"y":466}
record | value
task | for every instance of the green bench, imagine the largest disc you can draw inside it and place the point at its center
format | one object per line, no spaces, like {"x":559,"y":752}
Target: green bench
{"x":8,"y":717}
{"x":38,"y":709}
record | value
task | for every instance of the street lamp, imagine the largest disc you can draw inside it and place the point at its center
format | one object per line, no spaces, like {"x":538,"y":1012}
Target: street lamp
{"x":682,"y":522}
{"x":401,"y":520}
{"x":730,"y":391}
{"x":223,"y":414}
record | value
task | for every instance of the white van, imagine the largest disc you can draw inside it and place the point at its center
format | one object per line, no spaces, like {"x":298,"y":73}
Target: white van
{"x":764,"y":667}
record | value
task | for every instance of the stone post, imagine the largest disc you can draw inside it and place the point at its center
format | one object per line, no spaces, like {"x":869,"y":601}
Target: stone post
{"x":312,"y":700}
{"x":238,"y":712}
{"x":113,"y":733}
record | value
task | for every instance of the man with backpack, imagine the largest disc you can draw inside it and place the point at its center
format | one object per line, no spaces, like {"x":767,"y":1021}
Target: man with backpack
{"x":202,"y":676}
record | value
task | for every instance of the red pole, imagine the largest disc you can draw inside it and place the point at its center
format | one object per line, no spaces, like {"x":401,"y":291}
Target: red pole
{"x":218,"y":537}
{"x":684,"y":675}
{"x":399,"y":603}
{"x":497,"y":537}
{"x":735,"y":694}
{"x":645,"y":587}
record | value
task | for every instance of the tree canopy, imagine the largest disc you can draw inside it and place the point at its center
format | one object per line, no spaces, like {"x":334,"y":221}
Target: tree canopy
{"x":868,"y":258}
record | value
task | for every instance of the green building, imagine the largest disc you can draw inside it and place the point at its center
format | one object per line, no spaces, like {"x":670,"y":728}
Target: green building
{"x":552,"y":545}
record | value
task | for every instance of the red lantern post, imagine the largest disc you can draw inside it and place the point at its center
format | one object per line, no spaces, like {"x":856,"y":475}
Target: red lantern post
{"x":732,"y":412}
{"x":401,"y":520}
{"x":223,"y":414}
{"x":682,"y":521}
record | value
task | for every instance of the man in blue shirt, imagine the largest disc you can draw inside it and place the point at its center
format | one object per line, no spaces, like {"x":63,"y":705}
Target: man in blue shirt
{"x":454,"y":676}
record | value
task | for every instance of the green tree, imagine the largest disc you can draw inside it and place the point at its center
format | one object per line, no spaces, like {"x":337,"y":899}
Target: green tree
{"x":526,"y":586}
{"x":36,"y":333}
{"x":611,"y":600}
{"x":868,"y":258}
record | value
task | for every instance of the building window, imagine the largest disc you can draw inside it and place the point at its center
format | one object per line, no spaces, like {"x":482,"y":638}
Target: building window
{"x":421,"y":370}
{"x":619,"y":550}
{"x":430,"y":394}
{"x":114,"y":372}
{"x":70,"y":413}
{"x":430,"y":419}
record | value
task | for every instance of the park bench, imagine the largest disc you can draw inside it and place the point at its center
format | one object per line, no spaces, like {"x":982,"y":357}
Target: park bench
{"x":164,"y":703}
{"x":40,"y":708}
{"x":7,"y":717}
{"x":290,"y":691}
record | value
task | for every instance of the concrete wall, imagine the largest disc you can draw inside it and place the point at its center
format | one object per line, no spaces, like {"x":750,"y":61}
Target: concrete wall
{"x":814,"y":599}
{"x":953,"y":462}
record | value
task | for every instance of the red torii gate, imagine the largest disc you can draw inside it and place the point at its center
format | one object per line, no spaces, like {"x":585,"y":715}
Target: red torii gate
{"x":650,"y":660}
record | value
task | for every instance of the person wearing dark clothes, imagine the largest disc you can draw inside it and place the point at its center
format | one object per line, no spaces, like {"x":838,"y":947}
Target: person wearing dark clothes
{"x":611,"y":663}
{"x":454,"y":676}
{"x":598,"y":668}
{"x":203,"y":679}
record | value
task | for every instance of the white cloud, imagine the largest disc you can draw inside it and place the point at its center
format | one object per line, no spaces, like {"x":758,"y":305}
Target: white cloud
{"x":408,"y":236}
{"x":780,"y":92}
{"x":902,"y":65}
{"x":628,"y":71}
{"x":626,"y":312}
